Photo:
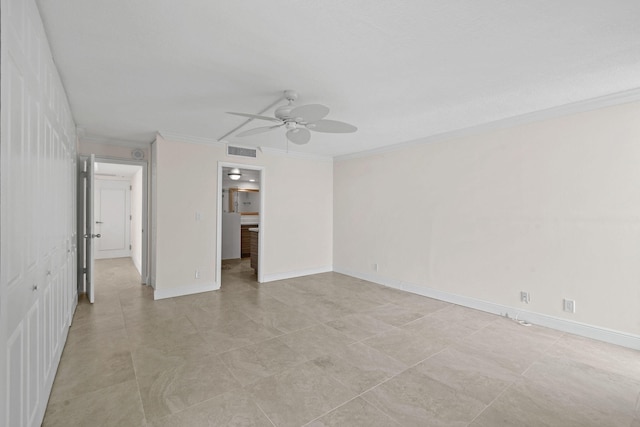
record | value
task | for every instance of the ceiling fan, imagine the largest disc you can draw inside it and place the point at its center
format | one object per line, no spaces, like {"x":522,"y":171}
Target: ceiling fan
{"x":298,"y":120}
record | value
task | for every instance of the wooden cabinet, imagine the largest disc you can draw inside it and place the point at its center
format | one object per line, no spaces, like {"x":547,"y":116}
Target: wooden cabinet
{"x":254,"y":249}
{"x":245,"y":240}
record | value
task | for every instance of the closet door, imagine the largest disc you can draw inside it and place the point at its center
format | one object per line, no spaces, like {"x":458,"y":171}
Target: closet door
{"x":37,"y":179}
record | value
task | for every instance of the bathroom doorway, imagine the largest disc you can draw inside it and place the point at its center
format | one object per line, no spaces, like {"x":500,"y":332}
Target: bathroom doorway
{"x":240,"y":236}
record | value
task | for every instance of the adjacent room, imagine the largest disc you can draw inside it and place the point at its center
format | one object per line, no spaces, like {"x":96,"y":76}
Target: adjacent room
{"x":316,"y":214}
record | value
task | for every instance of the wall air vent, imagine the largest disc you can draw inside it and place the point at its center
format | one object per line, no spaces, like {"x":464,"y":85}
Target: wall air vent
{"x":241,"y":151}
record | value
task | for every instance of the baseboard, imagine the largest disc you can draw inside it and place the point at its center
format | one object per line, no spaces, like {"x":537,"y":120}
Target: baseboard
{"x":291,"y":274}
{"x":179,"y":291}
{"x":577,"y":328}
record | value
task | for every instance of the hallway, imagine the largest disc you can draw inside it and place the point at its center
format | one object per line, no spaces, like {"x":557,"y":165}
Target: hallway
{"x":324,"y":350}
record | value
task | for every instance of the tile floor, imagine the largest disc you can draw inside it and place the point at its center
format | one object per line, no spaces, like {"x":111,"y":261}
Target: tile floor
{"x":325,"y":350}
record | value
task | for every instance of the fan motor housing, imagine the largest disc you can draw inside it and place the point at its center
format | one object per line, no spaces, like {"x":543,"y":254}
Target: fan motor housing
{"x":284,"y":112}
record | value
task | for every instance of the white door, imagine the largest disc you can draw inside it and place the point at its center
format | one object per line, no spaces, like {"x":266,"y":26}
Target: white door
{"x":113,"y":218}
{"x":90,"y":227}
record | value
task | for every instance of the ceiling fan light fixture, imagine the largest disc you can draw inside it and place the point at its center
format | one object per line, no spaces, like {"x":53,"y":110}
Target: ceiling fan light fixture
{"x":234,"y":174}
{"x":297,"y":120}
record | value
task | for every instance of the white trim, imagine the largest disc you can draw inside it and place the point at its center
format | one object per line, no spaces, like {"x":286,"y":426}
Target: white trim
{"x":590,"y":331}
{"x":179,"y":291}
{"x":176,"y":136}
{"x":294,"y":154}
{"x":631,"y":95}
{"x":111,"y":141}
{"x":292,"y":274}
{"x":261,"y":217}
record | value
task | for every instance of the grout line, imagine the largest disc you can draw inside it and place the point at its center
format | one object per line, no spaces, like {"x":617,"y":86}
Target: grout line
{"x":262,"y":410}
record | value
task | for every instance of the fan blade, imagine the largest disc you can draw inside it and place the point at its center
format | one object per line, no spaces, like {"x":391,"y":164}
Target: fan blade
{"x":309,"y":113}
{"x":254,"y":116}
{"x":331,"y":126}
{"x":258,"y":130}
{"x":298,"y":136}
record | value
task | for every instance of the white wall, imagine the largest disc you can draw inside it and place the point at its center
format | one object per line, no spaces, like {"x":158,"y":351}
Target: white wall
{"x":552,"y":208}
{"x":297,"y":230}
{"x":136,"y":220}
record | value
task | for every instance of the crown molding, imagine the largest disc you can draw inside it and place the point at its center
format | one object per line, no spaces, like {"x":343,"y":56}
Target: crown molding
{"x":618,"y":98}
{"x":176,"y":136}
{"x":111,"y":141}
{"x":294,"y":154}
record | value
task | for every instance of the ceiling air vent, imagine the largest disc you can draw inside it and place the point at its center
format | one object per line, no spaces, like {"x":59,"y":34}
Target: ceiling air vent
{"x":240,"y":151}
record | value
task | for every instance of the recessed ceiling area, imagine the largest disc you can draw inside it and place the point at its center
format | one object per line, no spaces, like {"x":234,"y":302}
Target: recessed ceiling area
{"x":399,"y":71}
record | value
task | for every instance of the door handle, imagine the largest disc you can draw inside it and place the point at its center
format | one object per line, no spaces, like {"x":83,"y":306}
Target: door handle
{"x":86,"y":236}
{"x":99,"y":222}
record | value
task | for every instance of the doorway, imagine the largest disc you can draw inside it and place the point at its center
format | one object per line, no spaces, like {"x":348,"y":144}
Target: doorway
{"x":240,"y":227}
{"x":113,"y":200}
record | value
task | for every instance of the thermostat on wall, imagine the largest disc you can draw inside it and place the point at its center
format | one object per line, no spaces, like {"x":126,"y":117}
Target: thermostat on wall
{"x":137,"y":154}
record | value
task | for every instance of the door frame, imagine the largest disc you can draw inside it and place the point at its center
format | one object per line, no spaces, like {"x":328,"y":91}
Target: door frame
{"x":145,"y":211}
{"x":261,"y":218}
{"x":113,"y":184}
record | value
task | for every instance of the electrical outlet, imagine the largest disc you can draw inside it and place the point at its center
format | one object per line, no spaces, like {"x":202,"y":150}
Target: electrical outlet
{"x":569,"y":305}
{"x":525,"y":297}
{"x":197,"y":274}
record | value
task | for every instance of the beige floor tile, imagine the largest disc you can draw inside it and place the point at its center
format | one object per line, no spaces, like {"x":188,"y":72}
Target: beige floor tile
{"x":525,"y":404}
{"x":420,"y":304}
{"x":438,"y":329}
{"x":145,"y":310}
{"x":324,"y":310}
{"x":299,"y":395}
{"x":204,"y":319}
{"x":116,"y":405}
{"x":613,"y":358}
{"x":512,"y":346}
{"x":359,"y":326}
{"x":359,"y":367}
{"x":393,"y":315}
{"x":233,"y":335}
{"x":415,"y":399}
{"x":229,"y":409}
{"x":92,"y":364}
{"x":173,"y":380}
{"x":456,"y":314}
{"x":585,"y":386}
{"x":169,"y":332}
{"x":475,"y":376}
{"x":356,"y":412}
{"x":416,"y":360}
{"x":316,"y":341}
{"x":407,"y":347}
{"x":81,"y":328}
{"x":253,"y":362}
{"x":275,"y":314}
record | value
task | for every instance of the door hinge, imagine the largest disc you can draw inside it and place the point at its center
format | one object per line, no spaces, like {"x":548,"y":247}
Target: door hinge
{"x":130,"y":217}
{"x":83,"y":174}
{"x":129,"y":247}
{"x":130,"y":187}
{"x":84,"y":271}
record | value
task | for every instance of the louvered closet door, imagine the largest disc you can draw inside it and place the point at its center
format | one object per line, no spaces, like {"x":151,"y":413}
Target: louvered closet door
{"x":37,"y":280}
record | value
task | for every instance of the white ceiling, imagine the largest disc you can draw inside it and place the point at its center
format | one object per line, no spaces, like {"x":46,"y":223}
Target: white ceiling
{"x":399,"y":70}
{"x":247,"y":176}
